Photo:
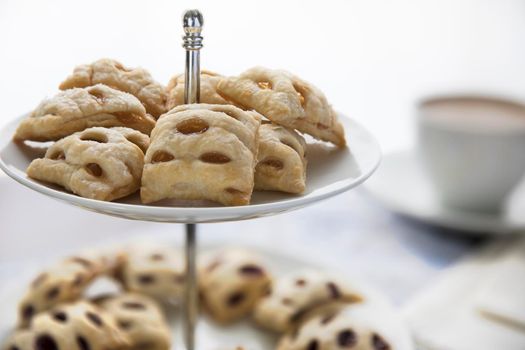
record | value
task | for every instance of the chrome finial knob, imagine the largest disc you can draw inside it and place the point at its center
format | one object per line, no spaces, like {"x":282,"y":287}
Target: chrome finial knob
{"x":192,"y":23}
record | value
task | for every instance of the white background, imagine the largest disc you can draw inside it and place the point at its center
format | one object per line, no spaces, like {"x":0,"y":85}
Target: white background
{"x":372,"y":58}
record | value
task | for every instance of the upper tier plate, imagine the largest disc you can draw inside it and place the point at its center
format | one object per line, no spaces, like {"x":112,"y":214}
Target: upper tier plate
{"x":330,"y":172}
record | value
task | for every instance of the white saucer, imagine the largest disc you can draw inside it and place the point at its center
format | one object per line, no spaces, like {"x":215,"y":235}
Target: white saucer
{"x":401,"y":185}
{"x":210,"y":335}
{"x":330,"y":171}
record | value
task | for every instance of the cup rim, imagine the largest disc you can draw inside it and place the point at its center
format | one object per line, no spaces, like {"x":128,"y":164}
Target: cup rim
{"x":425,"y":100}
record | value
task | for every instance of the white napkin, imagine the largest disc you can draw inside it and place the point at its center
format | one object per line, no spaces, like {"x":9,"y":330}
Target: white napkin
{"x":478,"y":304}
{"x":502,"y":297}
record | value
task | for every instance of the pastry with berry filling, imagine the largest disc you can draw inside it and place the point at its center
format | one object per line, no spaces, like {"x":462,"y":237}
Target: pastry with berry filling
{"x":21,"y":339}
{"x":140,"y":319}
{"x":342,"y":327}
{"x":295,"y":295}
{"x":231,"y":282}
{"x":79,"y":325}
{"x":63,"y":282}
{"x":154,"y":270}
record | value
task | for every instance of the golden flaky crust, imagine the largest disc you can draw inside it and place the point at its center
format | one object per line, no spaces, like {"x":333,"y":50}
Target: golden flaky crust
{"x":281,"y":161}
{"x":208,"y":93}
{"x":202,"y":151}
{"x":97,"y":163}
{"x":285,"y":99}
{"x":136,"y":81}
{"x":341,"y":326}
{"x":64,"y":282}
{"x":231,"y":282}
{"x":81,"y":108}
{"x":295,"y":295}
{"x":141,"y":319}
{"x":78,"y":325}
{"x":21,"y":339}
{"x":153,"y":269}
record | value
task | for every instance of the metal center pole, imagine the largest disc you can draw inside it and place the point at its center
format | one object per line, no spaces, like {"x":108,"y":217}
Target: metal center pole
{"x":191,"y":301}
{"x":192,"y":23}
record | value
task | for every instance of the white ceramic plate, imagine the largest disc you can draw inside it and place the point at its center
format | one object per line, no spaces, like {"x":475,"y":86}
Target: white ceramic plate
{"x":330,"y":172}
{"x":211,"y":336}
{"x":401,"y":185}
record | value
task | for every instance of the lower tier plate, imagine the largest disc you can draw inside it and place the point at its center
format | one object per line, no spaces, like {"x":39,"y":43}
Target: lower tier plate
{"x":245,"y":333}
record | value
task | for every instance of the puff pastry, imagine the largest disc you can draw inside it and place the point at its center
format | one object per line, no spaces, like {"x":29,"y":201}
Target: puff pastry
{"x":63,"y":282}
{"x":80,"y":325}
{"x":342,"y":327}
{"x":202,"y":151}
{"x":21,"y":339}
{"x":297,"y":294}
{"x":281,"y":161}
{"x":285,"y":99}
{"x":78,"y":109}
{"x":136,"y":81}
{"x":97,"y":163}
{"x":208,"y":93}
{"x":153,"y":269}
{"x":231,"y":282}
{"x":140,"y":319}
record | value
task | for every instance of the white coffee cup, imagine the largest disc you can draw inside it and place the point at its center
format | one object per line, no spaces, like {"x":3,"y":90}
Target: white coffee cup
{"x":472,"y":148}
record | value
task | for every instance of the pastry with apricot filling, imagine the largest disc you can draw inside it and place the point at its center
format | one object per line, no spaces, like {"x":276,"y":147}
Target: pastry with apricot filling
{"x":97,"y":163}
{"x":81,"y":108}
{"x":136,"y":81}
{"x":202,"y":152}
{"x":285,"y":99}
{"x":208,"y":92}
{"x":281,"y":161}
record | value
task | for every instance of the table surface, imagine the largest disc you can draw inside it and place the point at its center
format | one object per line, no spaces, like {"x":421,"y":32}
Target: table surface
{"x":374,"y":60}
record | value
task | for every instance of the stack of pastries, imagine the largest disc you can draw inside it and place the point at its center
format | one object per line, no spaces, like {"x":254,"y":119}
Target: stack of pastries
{"x":305,"y":309}
{"x":117,"y":131}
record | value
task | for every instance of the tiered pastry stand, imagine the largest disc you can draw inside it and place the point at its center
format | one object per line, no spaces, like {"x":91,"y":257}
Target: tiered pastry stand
{"x":331,"y":172}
